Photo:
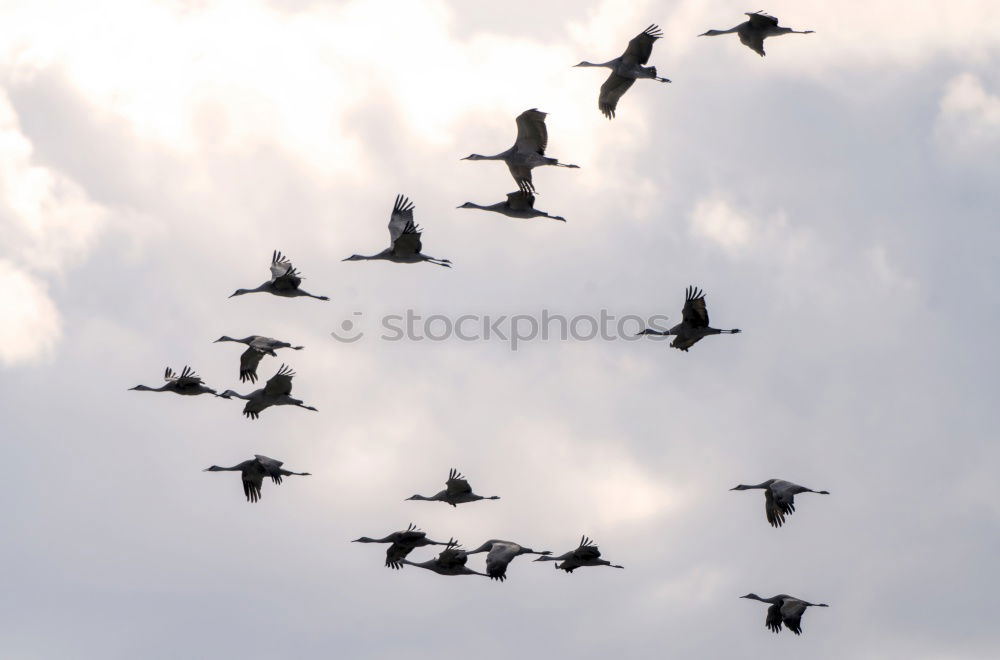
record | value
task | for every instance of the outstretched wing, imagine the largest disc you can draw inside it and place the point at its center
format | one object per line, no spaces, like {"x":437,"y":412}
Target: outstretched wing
{"x":280,"y":383}
{"x":452,"y":556}
{"x":641,"y":47}
{"x":791,"y":613}
{"x":775,"y":513}
{"x":271,"y":467}
{"x":283,"y":274}
{"x":520,"y":200}
{"x":759,"y":19}
{"x":773,"y":620}
{"x":587,"y":550}
{"x":401,"y":218}
{"x":456,"y":484}
{"x":499,"y":556}
{"x":252,"y":482}
{"x":612,"y":90}
{"x":188,"y":378}
{"x":249,"y":360}
{"x":395,"y":555}
{"x":695,"y":312}
{"x":532,"y":136}
{"x":522,"y":176}
{"x":403,"y":232}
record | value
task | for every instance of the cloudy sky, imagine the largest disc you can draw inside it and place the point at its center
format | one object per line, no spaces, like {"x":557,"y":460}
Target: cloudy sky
{"x":837,"y":200}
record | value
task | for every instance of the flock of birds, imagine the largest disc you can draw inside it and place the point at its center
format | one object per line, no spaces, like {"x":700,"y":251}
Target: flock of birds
{"x":405,"y":246}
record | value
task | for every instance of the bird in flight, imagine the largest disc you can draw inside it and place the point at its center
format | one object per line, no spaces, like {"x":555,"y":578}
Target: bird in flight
{"x":276,"y":392}
{"x":753,"y":32}
{"x":257,"y":348}
{"x":401,"y":544}
{"x":500,"y":554}
{"x":518,"y":205}
{"x":404,"y":239}
{"x":284,"y":282}
{"x":626,"y":69}
{"x":254,"y":471}
{"x":528,"y":151}
{"x":188,"y":383}
{"x":784,"y":609}
{"x":779,"y":498}
{"x":451,"y":561}
{"x":586,"y":554}
{"x":694,"y":324}
{"x":457,"y":491}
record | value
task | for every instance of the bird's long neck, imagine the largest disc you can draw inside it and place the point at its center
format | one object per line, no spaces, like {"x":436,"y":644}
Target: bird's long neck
{"x":747,"y":487}
{"x":289,"y":473}
{"x":473,"y":205}
{"x":425,"y":498}
{"x":216,"y":468}
{"x":500,"y":156}
{"x":715,"y":33}
{"x":144,"y":388}
{"x":610,"y":64}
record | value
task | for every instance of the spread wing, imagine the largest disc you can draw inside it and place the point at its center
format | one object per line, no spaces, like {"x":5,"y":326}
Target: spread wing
{"x":252,"y":482}
{"x":761,"y":20}
{"x":188,"y":378}
{"x":456,"y":484}
{"x":452,"y":556}
{"x":520,"y":200}
{"x":280,"y":383}
{"x":500,"y":555}
{"x":271,"y":467}
{"x":754,"y":40}
{"x":587,"y":551}
{"x":249,"y":360}
{"x":395,"y":555}
{"x":522,"y":176}
{"x":401,"y":217}
{"x":403,"y":232}
{"x":283,"y":274}
{"x":612,"y":90}
{"x":791,"y":613}
{"x":532,"y":136}
{"x":773,"y":620}
{"x":695,"y":312}
{"x":641,"y":47}
{"x":774,"y":511}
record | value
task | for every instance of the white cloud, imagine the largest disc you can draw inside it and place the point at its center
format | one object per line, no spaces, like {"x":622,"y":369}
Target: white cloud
{"x":29,"y":322}
{"x":715,"y":220}
{"x":969,"y":117}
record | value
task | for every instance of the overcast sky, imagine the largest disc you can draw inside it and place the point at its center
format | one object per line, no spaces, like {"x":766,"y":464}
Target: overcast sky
{"x":836,"y":200}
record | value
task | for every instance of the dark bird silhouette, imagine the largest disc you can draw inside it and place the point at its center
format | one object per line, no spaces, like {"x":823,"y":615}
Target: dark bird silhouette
{"x":404,"y":238}
{"x":457,"y":491}
{"x":257,"y":348}
{"x":254,"y":471}
{"x":694,"y":324}
{"x":779,"y":498}
{"x":626,"y":69}
{"x":586,"y":554}
{"x":284,"y":282}
{"x":528,"y":151}
{"x":518,"y":205}
{"x":276,"y":392}
{"x":784,"y":609}
{"x":451,"y":561}
{"x":188,"y":383}
{"x":500,"y":554}
{"x":752,"y":33}
{"x":402,"y":544}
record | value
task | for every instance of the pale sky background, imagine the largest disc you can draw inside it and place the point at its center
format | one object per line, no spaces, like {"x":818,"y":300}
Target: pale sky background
{"x":837,"y":200}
